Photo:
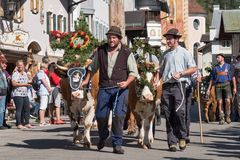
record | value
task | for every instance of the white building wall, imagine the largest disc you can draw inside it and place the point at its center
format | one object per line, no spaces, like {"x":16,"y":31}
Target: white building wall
{"x":129,"y":5}
{"x":37,"y":30}
{"x":194,"y":35}
{"x":101,"y":19}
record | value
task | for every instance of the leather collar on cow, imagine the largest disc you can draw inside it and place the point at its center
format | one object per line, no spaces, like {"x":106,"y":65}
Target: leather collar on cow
{"x":76,"y":76}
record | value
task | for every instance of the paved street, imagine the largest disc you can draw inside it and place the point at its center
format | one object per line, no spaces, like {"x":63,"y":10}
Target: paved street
{"x":55,"y":143}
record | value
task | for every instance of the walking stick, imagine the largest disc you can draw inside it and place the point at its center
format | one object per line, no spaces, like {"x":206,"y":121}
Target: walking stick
{"x":198,"y":97}
{"x":199,"y":113}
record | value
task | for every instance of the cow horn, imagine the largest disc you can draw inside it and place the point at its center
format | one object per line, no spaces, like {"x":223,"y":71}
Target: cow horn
{"x":62,"y":67}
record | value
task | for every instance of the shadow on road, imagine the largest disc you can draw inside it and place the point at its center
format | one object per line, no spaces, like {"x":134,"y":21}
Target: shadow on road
{"x":227,"y":144}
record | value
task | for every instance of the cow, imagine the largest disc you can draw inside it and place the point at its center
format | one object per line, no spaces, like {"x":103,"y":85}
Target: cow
{"x":142,"y":104}
{"x":78,"y":102}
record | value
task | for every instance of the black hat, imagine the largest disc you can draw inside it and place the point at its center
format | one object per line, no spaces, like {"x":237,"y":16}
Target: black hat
{"x":173,"y":32}
{"x":238,"y":57}
{"x":220,"y":54}
{"x":115,"y":31}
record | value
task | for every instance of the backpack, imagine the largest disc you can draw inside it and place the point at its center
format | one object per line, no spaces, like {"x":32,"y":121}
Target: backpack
{"x":36,"y":83}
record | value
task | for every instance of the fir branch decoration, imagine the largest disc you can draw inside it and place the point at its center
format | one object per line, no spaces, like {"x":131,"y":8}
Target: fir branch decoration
{"x":78,"y":46}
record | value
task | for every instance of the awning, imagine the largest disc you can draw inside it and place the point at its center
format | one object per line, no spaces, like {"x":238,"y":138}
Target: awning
{"x":12,"y":56}
{"x":231,"y":21}
{"x":135,"y":20}
{"x":152,"y":5}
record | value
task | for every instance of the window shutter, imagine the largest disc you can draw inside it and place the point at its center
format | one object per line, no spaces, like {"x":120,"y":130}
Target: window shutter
{"x":48,"y":22}
{"x":54,"y":21}
{"x":59,"y":23}
{"x":64,"y":24}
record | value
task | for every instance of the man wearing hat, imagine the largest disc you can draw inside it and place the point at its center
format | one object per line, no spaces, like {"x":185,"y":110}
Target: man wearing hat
{"x":176,"y":67}
{"x":221,"y":77}
{"x":117,"y":69}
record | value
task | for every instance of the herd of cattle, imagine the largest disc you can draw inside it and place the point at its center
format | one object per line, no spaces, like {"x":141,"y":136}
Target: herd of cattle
{"x":141,"y":109}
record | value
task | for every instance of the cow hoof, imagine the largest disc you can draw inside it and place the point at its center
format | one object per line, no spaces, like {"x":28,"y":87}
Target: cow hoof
{"x":151,"y":141}
{"x":87,"y":145}
{"x":146,"y":146}
{"x":77,"y":142}
{"x":131,"y":132}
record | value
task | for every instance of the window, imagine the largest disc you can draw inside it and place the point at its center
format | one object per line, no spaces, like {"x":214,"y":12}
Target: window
{"x":49,"y":22}
{"x":101,"y":32}
{"x":226,"y":43}
{"x":195,"y":46}
{"x":64,"y":24}
{"x":196,"y":24}
{"x":97,"y":30}
{"x":60,"y":23}
{"x":54,"y":21}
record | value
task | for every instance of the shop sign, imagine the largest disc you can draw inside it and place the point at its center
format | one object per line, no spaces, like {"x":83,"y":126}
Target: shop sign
{"x":16,"y":38}
{"x":154,"y":33}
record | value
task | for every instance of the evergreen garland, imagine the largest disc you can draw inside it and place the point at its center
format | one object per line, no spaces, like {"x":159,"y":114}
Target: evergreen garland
{"x":62,"y":40}
{"x":143,"y":66}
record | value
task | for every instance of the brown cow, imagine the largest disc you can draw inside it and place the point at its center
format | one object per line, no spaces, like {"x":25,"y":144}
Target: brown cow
{"x":143,"y":109}
{"x":78,"y":103}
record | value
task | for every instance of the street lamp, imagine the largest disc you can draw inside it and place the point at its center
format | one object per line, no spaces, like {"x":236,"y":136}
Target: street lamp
{"x":11,"y":6}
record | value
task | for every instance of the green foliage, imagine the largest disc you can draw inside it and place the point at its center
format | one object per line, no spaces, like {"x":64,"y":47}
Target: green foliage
{"x":140,"y":45}
{"x":62,"y":40}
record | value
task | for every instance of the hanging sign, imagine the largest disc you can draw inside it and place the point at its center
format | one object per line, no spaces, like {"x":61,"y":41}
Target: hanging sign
{"x":16,"y":38}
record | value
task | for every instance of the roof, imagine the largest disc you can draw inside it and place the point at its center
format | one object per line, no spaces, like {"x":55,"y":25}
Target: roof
{"x":195,"y":8}
{"x":231,"y":21}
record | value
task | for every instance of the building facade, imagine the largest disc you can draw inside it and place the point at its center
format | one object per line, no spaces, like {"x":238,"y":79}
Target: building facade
{"x":25,"y":27}
{"x":97,"y":17}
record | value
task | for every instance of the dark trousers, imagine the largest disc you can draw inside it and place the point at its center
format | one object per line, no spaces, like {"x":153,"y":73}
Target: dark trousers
{"x":173,"y":95}
{"x":106,"y":101}
{"x":189,"y":93}
{"x":22,"y":110}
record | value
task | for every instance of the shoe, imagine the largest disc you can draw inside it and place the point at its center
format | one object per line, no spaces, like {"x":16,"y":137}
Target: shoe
{"x":101,"y":144}
{"x":228,"y":120}
{"x":182,"y":144}
{"x":37,"y":120}
{"x":222,"y":121}
{"x":173,"y":148}
{"x":187,"y":141}
{"x":28,"y":126}
{"x":51,"y":121}
{"x":7,"y":126}
{"x":44,"y":124}
{"x":21,"y":127}
{"x":2,"y":127}
{"x":59,"y":122}
{"x":33,"y":116}
{"x":118,"y":150}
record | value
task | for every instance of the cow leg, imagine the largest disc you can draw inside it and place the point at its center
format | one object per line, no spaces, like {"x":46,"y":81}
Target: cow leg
{"x":131,"y":127}
{"x":150,"y":133}
{"x":206,"y":112}
{"x":76,"y":132}
{"x":87,"y":127}
{"x":141,"y":134}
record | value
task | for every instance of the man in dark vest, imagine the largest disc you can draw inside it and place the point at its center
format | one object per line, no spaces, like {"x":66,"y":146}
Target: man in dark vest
{"x":117,"y":68}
